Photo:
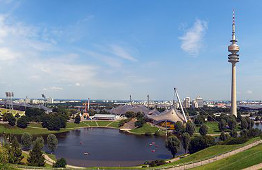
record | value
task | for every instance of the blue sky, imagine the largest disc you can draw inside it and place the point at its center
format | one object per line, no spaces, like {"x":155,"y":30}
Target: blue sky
{"x":109,"y":49}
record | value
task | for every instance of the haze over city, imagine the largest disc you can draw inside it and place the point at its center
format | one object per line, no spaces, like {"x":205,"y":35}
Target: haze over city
{"x":80,"y":49}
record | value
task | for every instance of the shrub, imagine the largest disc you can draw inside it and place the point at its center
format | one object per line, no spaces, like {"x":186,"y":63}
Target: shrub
{"x":254,"y":133}
{"x":222,"y":125}
{"x":244,"y":133}
{"x":140,"y":123}
{"x":224,"y":136}
{"x":203,"y":130}
{"x":199,"y":120}
{"x":233,"y":133}
{"x":157,"y":133}
{"x":190,"y":128}
{"x":179,"y":128}
{"x":11,"y":120}
{"x":60,"y":163}
{"x":148,"y":134}
{"x":77,"y":119}
{"x":233,"y":141}
{"x":130,"y":114}
{"x":156,"y":163}
{"x":200,"y":142}
{"x":26,"y":140}
{"x":22,"y":122}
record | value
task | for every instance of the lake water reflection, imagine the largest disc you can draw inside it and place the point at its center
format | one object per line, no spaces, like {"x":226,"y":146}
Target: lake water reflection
{"x":109,"y":147}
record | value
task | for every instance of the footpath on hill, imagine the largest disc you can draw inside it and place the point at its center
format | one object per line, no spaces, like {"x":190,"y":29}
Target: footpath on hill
{"x":207,"y":161}
{"x":50,"y":161}
{"x":254,"y":167}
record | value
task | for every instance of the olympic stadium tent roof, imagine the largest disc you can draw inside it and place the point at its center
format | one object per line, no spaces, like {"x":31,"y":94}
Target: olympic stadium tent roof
{"x":153,"y":112}
{"x":171,"y":115}
{"x":135,"y":108}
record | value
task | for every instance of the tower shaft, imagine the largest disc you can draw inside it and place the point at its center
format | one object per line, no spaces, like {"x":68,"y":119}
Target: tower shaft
{"x":234,"y":91}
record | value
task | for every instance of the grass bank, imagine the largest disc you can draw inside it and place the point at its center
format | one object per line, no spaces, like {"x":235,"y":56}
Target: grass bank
{"x":147,"y":129}
{"x":36,"y":128}
{"x":241,"y":160}
{"x":209,"y":153}
{"x":14,"y":112}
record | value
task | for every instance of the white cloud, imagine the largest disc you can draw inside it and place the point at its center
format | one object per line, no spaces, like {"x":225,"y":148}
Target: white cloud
{"x":123,"y":53}
{"x":7,"y":54}
{"x":107,"y":59}
{"x":53,"y":88}
{"x":192,"y":39}
{"x":33,"y":59}
{"x":78,"y":84}
{"x":249,"y":92}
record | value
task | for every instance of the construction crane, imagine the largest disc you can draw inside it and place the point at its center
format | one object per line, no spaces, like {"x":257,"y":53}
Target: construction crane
{"x":180,"y":105}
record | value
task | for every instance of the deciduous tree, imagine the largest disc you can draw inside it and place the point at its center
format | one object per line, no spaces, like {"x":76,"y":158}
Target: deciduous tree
{"x":173,"y":144}
{"x":52,"y":142}
{"x":185,"y":141}
{"x":26,"y":140}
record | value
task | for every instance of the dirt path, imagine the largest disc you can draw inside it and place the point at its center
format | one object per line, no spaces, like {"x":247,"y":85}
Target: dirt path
{"x":109,"y":124}
{"x":129,"y":125}
{"x":254,"y":167}
{"x":204,"y":162}
{"x":50,"y":161}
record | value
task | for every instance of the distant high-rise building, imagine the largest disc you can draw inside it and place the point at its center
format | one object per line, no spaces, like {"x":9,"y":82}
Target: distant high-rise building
{"x":194,"y":104}
{"x":200,"y":101}
{"x":186,"y":102}
{"x":50,"y":100}
{"x":27,"y":100}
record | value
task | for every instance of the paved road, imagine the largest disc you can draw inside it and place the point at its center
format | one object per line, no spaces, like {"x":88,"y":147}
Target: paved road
{"x":196,"y":164}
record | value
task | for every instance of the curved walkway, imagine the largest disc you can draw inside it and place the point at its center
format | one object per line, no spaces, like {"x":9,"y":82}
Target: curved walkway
{"x":50,"y":161}
{"x":254,"y":167}
{"x":207,"y":161}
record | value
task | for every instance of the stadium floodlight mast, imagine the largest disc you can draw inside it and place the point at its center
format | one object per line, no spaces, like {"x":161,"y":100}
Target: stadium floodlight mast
{"x":9,"y":102}
{"x":43,"y":96}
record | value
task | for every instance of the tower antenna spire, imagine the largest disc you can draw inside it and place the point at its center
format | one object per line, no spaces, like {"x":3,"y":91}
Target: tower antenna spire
{"x":233,"y":28}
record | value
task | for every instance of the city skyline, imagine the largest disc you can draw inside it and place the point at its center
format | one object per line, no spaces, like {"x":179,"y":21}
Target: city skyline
{"x":111,"y":49}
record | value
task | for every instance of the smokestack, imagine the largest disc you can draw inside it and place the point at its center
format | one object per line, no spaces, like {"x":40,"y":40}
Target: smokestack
{"x":130,"y":99}
{"x":148,"y":100}
{"x":88,"y":105}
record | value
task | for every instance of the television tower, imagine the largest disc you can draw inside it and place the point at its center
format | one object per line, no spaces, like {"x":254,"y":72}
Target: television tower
{"x":233,"y":58}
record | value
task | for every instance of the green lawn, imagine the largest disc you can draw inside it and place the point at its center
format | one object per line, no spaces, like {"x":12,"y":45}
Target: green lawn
{"x":3,"y":110}
{"x":39,"y":125}
{"x":73,"y":125}
{"x":36,"y":128}
{"x":146,"y":128}
{"x":212,"y":128}
{"x":5,"y":128}
{"x":210,"y":152}
{"x":114,"y":124}
{"x":241,"y":160}
{"x":52,"y":156}
{"x":103,"y":123}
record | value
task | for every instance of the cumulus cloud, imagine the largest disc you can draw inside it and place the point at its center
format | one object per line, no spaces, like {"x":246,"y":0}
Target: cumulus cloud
{"x":193,"y":37}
